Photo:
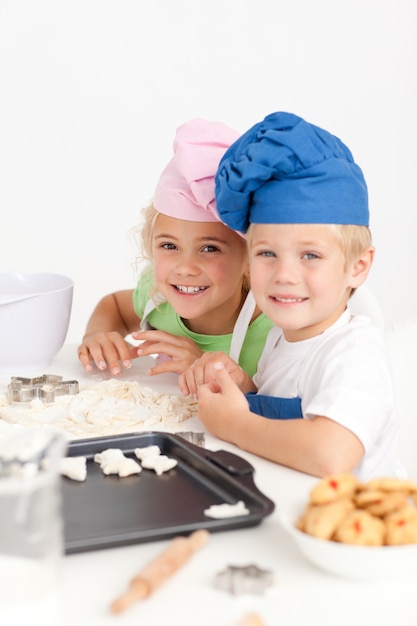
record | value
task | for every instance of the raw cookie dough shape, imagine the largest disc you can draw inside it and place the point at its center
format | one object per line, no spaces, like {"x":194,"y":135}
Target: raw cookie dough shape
{"x":113,"y":461}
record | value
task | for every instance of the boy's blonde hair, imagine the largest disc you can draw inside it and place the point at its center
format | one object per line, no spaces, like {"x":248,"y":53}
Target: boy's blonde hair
{"x":353,"y":240}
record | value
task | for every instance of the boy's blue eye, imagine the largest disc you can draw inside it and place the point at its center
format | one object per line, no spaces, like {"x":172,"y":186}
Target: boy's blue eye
{"x":168,"y":246}
{"x":265,"y":253}
{"x":310,"y":255}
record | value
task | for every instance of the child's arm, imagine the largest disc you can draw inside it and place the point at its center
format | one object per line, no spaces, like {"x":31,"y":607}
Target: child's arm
{"x":103,"y":343}
{"x":204,"y":371}
{"x":317,"y":446}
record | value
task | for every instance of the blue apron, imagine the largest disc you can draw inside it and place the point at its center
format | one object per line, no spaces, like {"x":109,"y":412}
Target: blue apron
{"x":274,"y":408}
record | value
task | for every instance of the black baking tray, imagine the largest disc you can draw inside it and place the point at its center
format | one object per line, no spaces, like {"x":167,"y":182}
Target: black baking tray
{"x":108,"y":511}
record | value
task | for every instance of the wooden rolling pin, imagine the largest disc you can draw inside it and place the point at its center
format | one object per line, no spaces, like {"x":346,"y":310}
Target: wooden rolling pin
{"x":160,"y":569}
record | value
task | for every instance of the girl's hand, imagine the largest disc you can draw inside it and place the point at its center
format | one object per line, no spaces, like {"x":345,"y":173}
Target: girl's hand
{"x":106,"y":349}
{"x":182,"y":351}
{"x":205,"y":370}
{"x":221,"y":405}
{"x":103,"y":343}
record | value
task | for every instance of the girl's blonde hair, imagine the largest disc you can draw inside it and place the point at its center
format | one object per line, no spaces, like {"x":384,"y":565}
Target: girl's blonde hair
{"x":149,"y":214}
{"x":141,"y":236}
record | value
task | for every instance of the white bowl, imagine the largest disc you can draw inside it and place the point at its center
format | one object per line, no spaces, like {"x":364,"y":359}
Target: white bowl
{"x":35,"y":312}
{"x":355,"y":562}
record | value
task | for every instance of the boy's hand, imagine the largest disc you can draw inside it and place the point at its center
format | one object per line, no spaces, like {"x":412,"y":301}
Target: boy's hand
{"x":106,"y":349}
{"x":182,"y":351}
{"x":205,"y":369}
{"x":221,"y":404}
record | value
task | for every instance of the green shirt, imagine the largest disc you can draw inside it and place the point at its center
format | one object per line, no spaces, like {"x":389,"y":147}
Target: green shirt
{"x":165,"y":318}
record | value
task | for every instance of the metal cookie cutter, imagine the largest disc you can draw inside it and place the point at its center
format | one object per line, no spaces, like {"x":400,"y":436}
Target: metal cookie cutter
{"x":198,"y":439}
{"x":244,"y":579}
{"x":45,"y":387}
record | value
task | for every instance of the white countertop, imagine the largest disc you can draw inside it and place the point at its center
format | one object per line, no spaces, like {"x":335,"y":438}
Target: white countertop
{"x":301,"y":594}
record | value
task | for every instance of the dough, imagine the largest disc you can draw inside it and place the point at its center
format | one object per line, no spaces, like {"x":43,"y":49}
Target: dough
{"x":113,"y":461}
{"x":221,"y":511}
{"x":109,"y":407}
{"x":73,"y":467}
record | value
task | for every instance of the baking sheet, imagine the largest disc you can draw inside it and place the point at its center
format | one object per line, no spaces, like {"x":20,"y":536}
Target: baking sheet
{"x":108,"y":511}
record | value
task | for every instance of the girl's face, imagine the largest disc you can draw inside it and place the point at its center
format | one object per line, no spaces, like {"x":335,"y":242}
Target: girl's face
{"x":299,"y":277}
{"x":199,"y":268}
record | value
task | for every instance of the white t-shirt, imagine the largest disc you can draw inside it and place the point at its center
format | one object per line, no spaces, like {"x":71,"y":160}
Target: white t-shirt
{"x":343,"y":374}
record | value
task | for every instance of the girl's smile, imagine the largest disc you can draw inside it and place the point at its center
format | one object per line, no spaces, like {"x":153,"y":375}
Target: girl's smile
{"x":189,"y":289}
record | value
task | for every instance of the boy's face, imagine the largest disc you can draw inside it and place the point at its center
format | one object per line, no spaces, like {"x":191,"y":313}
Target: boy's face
{"x":299,"y":277}
{"x":199,"y":267}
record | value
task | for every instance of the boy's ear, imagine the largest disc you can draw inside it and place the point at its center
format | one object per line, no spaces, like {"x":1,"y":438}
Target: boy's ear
{"x":361,"y":267}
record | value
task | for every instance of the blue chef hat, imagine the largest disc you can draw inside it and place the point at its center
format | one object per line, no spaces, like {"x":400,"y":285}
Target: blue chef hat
{"x":286,"y":171}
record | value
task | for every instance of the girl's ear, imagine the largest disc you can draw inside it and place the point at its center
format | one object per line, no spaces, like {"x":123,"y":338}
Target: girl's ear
{"x":361,"y":267}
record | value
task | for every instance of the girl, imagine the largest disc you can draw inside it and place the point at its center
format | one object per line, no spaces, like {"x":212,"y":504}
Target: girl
{"x":194,"y":296}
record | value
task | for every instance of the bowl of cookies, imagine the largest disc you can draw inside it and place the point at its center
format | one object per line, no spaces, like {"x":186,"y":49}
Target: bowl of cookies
{"x":358,"y":530}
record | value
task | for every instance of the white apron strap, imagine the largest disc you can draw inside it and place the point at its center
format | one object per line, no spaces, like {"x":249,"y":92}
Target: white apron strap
{"x":241,"y":326}
{"x":149,"y":307}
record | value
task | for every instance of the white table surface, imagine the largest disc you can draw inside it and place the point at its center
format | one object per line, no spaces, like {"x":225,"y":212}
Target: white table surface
{"x":301,"y":594}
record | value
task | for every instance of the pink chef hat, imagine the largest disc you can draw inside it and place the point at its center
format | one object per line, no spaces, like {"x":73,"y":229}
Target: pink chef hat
{"x":185,"y":189}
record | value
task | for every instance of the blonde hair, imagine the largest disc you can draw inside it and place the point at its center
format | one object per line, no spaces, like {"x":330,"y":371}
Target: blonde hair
{"x":150,"y":215}
{"x":353,"y":240}
{"x":141,"y":236}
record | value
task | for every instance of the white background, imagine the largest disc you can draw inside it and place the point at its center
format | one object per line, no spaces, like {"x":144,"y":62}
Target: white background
{"x":91,"y":92}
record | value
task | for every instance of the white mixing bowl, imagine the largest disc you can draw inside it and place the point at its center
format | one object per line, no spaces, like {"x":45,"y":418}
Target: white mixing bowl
{"x":35,"y":311}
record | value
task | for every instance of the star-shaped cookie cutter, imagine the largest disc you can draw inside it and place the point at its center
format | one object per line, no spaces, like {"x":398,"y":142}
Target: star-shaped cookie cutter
{"x":45,"y":387}
{"x":244,"y":579}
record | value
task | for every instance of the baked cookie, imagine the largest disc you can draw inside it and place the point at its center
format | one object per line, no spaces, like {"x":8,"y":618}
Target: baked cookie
{"x":333,"y":487}
{"x":389,"y":503}
{"x":392,"y":484}
{"x":361,"y":528}
{"x":368,"y":496}
{"x":321,"y":520}
{"x":382,"y":511}
{"x":401,"y":526}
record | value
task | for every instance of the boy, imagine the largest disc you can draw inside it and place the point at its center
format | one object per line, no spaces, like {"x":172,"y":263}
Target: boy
{"x":297,"y":192}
